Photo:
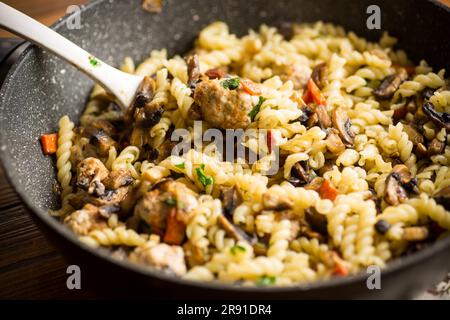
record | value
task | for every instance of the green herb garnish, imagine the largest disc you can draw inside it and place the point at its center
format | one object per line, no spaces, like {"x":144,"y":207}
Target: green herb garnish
{"x":236,"y":248}
{"x":202,"y":177}
{"x":170,"y":202}
{"x":93,"y":61}
{"x":266,"y":280}
{"x":231,"y":84}
{"x":252,"y":114}
{"x":180,"y":165}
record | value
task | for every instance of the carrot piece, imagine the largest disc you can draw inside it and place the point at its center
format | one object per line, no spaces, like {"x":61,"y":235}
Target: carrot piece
{"x":250,"y":87}
{"x":315,"y":93}
{"x":340,"y":269}
{"x":49,"y":143}
{"x":175,"y":229}
{"x":307,"y":97}
{"x":327,"y":191}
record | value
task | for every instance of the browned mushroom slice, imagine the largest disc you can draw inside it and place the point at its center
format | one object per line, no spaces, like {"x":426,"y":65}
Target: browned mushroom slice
{"x":343,"y":125}
{"x":231,"y":199}
{"x":319,"y":75}
{"x":435,"y":147}
{"x":234,"y":231}
{"x":400,"y":113}
{"x":413,"y":134}
{"x":390,"y":84}
{"x":334,"y":142}
{"x":307,"y":230}
{"x":394,"y":193}
{"x":323,"y":117}
{"x":149,"y":115}
{"x":152,"y":6}
{"x":90,"y":173}
{"x":443,"y":197}
{"x":118,"y":178}
{"x":414,"y":234}
{"x":407,"y":181}
{"x":441,"y":119}
{"x":102,"y":141}
{"x":316,"y":220}
{"x":300,"y":174}
{"x":275,"y":202}
{"x":145,"y":93}
{"x":193,"y":69}
{"x":421,"y":149}
{"x":314,"y":184}
{"x":216,"y":73}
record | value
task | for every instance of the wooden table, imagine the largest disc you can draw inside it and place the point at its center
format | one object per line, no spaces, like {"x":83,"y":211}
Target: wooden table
{"x":30,"y":267}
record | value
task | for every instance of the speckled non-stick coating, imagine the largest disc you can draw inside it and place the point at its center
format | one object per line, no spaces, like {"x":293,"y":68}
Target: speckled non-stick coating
{"x":41,"y":88}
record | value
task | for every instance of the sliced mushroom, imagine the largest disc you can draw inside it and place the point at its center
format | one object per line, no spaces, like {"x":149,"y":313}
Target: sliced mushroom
{"x":193,"y":69}
{"x":319,"y":75}
{"x":342,"y":123}
{"x":316,"y":220}
{"x":118,"y":178}
{"x":216,"y":73}
{"x":300,"y":174}
{"x":406,"y":179}
{"x":149,"y":115}
{"x":275,"y":202}
{"x":145,"y":93}
{"x":443,"y":197}
{"x":421,"y":149}
{"x":394,"y":194}
{"x":414,"y":234}
{"x":441,"y":119}
{"x":390,"y":84}
{"x":435,"y":147}
{"x":307,"y":230}
{"x":413,"y":134}
{"x":323,"y":117}
{"x":334,"y":142}
{"x":234,"y":231}
{"x":307,"y":112}
{"x":314,"y":184}
{"x":231,"y":199}
{"x":400,"y":113}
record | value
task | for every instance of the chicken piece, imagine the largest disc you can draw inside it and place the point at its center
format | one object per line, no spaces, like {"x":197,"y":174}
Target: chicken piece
{"x":161,"y":256}
{"x":86,"y":219}
{"x":221,"y":107}
{"x":156,"y":205}
{"x":298,"y":74}
{"x":90,"y":173}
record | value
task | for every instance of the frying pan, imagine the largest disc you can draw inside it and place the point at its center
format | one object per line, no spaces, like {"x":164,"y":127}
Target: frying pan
{"x":40,"y":88}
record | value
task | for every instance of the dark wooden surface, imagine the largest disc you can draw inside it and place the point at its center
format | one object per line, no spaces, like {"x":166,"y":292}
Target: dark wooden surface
{"x":30,"y":267}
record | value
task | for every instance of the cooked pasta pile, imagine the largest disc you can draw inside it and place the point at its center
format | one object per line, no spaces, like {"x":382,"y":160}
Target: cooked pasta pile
{"x":362,"y":143}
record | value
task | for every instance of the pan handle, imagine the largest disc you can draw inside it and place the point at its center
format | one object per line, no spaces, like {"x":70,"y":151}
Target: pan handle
{"x":122,"y":85}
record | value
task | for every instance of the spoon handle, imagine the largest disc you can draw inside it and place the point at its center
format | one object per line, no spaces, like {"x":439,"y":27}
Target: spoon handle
{"x":122,"y":85}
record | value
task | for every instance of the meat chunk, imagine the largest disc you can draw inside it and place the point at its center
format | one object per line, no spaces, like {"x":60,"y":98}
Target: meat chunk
{"x":90,"y":173}
{"x":298,"y":74}
{"x":156,"y":205}
{"x":161,"y":256}
{"x":85,"y":220}
{"x":221,"y":107}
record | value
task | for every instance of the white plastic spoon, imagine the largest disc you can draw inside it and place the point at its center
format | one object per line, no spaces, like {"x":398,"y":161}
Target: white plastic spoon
{"x":122,"y":85}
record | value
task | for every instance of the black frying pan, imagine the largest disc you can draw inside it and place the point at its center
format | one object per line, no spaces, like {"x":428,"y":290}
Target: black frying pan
{"x":37,"y":92}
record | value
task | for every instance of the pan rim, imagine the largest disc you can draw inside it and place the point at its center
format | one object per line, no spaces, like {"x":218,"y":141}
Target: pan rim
{"x":335,"y":282}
